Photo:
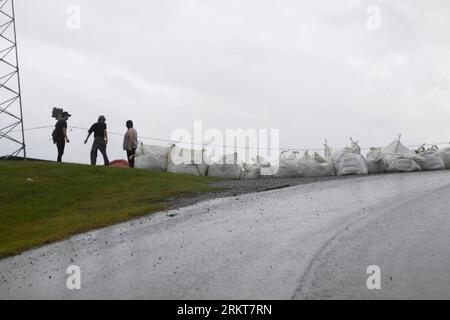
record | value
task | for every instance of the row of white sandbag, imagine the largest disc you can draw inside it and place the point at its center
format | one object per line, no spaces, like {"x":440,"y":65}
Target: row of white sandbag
{"x":195,"y":162}
{"x":180,"y":160}
{"x":393,"y":158}
{"x":398,"y":158}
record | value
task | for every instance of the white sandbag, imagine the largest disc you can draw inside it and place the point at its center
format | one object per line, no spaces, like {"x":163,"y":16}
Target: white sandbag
{"x":375,"y":161}
{"x":400,"y":159}
{"x":432,"y":160}
{"x":266,"y":169}
{"x":317,"y":166}
{"x":187,"y":161}
{"x":250,"y":171}
{"x":258,"y":167}
{"x":289,"y":165}
{"x":227,"y":167}
{"x":349,"y":160}
{"x":350,"y":163}
{"x":445,"y":156}
{"x":151,"y":157}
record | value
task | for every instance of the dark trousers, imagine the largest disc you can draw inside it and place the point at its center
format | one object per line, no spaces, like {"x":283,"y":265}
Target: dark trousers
{"x":130,"y":157}
{"x":60,"y":144}
{"x":99,"y":144}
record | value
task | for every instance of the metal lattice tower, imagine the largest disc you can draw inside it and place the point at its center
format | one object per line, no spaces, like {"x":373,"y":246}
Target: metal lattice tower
{"x":12,"y":137}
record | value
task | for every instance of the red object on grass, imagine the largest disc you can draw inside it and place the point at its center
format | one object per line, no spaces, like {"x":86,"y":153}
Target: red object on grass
{"x":119,"y":163}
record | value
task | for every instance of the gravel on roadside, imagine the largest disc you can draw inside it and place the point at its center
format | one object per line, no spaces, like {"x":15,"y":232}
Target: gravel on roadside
{"x":230,"y":188}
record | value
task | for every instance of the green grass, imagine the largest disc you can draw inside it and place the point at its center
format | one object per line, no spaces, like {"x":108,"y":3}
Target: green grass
{"x":65,"y":199}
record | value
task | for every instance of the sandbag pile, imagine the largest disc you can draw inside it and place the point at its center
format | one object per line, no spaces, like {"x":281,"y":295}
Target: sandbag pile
{"x":445,"y":156}
{"x":258,"y":167}
{"x":375,"y":161}
{"x":228,"y":167}
{"x":151,"y":157}
{"x":250,"y":171}
{"x":265,"y":167}
{"x":349,"y":160}
{"x":318,"y":166}
{"x":187,"y":161}
{"x":431,"y":158}
{"x":400,"y":159}
{"x":289,"y":165}
{"x":395,"y":157}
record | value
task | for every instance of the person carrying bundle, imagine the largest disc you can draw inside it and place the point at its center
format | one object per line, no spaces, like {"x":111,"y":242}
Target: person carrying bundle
{"x":59,"y":134}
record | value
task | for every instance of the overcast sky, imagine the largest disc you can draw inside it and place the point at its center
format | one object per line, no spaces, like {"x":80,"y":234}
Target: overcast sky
{"x":312,"y":69}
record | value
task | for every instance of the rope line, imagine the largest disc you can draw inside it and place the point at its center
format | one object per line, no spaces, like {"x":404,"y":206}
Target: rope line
{"x":212,"y":145}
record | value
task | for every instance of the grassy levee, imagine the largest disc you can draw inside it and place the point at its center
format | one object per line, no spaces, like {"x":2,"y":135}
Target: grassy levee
{"x":42,"y":202}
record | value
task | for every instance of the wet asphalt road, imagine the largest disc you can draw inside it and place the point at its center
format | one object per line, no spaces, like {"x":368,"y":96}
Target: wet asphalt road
{"x":309,"y":241}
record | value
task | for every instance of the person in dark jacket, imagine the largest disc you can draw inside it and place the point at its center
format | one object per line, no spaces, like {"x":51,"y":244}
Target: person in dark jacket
{"x":130,"y":143}
{"x":100,"y":140}
{"x":60,"y":134}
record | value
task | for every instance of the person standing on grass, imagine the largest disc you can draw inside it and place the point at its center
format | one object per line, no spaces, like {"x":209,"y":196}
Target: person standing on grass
{"x":130,"y":143}
{"x":60,"y":134}
{"x":100,"y":140}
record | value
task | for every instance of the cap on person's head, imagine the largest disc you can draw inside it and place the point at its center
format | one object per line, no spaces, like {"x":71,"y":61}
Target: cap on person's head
{"x":102,"y":118}
{"x":66,"y":114}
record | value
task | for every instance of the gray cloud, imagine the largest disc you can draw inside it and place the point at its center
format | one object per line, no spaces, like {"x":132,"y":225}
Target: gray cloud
{"x":312,"y":69}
